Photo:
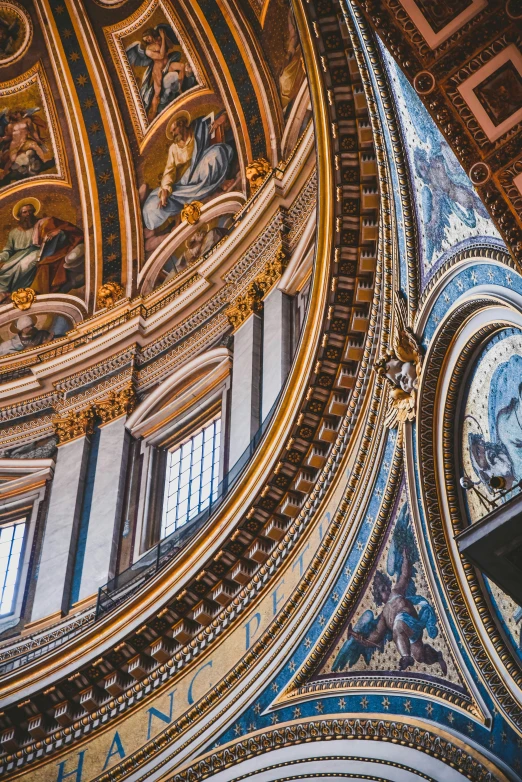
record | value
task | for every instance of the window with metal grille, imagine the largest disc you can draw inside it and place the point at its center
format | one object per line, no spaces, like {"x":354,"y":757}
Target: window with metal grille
{"x":192,"y":477}
{"x":11,"y":542}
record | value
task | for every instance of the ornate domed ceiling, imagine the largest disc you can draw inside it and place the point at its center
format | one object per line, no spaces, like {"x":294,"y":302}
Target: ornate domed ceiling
{"x":259,"y":342}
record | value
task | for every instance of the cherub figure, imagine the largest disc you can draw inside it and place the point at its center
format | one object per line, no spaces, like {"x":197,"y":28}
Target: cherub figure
{"x":167,"y":72}
{"x":402,"y":368}
{"x":405,"y":615}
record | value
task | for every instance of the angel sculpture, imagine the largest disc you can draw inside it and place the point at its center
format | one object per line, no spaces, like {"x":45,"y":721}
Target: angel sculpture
{"x":405,"y":615}
{"x":165,"y":75}
{"x":402,"y":368}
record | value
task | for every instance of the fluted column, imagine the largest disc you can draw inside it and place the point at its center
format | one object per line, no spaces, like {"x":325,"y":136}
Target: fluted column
{"x":56,"y":566}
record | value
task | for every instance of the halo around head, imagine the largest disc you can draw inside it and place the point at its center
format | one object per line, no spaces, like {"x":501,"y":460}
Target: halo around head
{"x":179,"y":115}
{"x":24,"y":202}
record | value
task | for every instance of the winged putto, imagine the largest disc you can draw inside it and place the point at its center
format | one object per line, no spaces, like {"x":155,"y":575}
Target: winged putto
{"x":405,"y":616}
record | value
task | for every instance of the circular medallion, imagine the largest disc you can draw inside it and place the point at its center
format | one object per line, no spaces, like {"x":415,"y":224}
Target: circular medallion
{"x":514,"y":9}
{"x":424,"y":83}
{"x":15,"y":32}
{"x":479,"y":173}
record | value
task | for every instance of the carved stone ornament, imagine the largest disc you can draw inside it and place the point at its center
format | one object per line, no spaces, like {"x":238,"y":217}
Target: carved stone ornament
{"x":118,"y":403}
{"x":245,"y":304}
{"x":401,"y":368}
{"x":256,"y":172}
{"x":191,"y":212}
{"x":23,"y":298}
{"x":77,"y":423}
{"x":109,"y":294}
{"x":252,"y":300}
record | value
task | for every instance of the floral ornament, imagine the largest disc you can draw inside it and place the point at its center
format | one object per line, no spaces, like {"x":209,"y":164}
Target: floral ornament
{"x":401,"y":368}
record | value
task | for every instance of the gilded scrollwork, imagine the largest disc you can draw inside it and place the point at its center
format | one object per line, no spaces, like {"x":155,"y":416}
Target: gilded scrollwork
{"x":77,"y":423}
{"x":118,"y":403}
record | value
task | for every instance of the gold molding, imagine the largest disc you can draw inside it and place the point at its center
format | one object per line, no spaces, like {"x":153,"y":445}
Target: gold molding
{"x":118,"y":403}
{"x":78,"y":423}
{"x":252,"y":299}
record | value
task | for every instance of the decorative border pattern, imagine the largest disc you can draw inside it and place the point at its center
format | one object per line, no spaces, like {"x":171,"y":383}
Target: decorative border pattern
{"x":427,"y":399}
{"x":422,"y":739}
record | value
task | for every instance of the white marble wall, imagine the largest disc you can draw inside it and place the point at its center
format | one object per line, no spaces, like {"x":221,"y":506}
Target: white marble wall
{"x":277,"y":313}
{"x":104,"y":520}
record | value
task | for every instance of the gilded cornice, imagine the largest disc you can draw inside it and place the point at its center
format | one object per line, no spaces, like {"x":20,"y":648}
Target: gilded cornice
{"x":336,"y":321}
{"x":251,"y":300}
{"x":118,"y":403}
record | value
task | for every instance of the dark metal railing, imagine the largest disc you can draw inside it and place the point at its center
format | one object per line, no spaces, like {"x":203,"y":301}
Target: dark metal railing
{"x":126,"y":583}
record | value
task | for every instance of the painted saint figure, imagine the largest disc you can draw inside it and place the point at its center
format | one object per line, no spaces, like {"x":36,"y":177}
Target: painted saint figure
{"x":165,"y":76}
{"x":196,"y":167}
{"x":293,"y":73}
{"x":48,"y":243}
{"x":404,"y":616}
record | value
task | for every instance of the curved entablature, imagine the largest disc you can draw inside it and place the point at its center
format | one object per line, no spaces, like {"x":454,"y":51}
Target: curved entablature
{"x":260,"y":497}
{"x":266,"y":515}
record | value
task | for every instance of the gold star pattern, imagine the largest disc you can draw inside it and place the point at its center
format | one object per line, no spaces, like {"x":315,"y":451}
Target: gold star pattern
{"x":100,"y":151}
{"x":111,"y":257}
{"x":59,"y":9}
{"x":407,"y":706}
{"x":429,"y":709}
{"x":74,"y":56}
{"x":95,"y":127}
{"x":88,"y":104}
{"x":111,"y":238}
{"x":104,"y":177}
{"x":67,"y":33}
{"x":82,"y":80}
{"x":342,"y":703}
{"x":364,"y":702}
{"x":108,"y":197}
{"x":297,"y":713}
{"x":386,"y":703}
{"x":319,"y":707}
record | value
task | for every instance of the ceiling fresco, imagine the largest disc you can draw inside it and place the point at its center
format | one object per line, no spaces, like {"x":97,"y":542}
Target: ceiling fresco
{"x":160,"y":175}
{"x":121,"y":116}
